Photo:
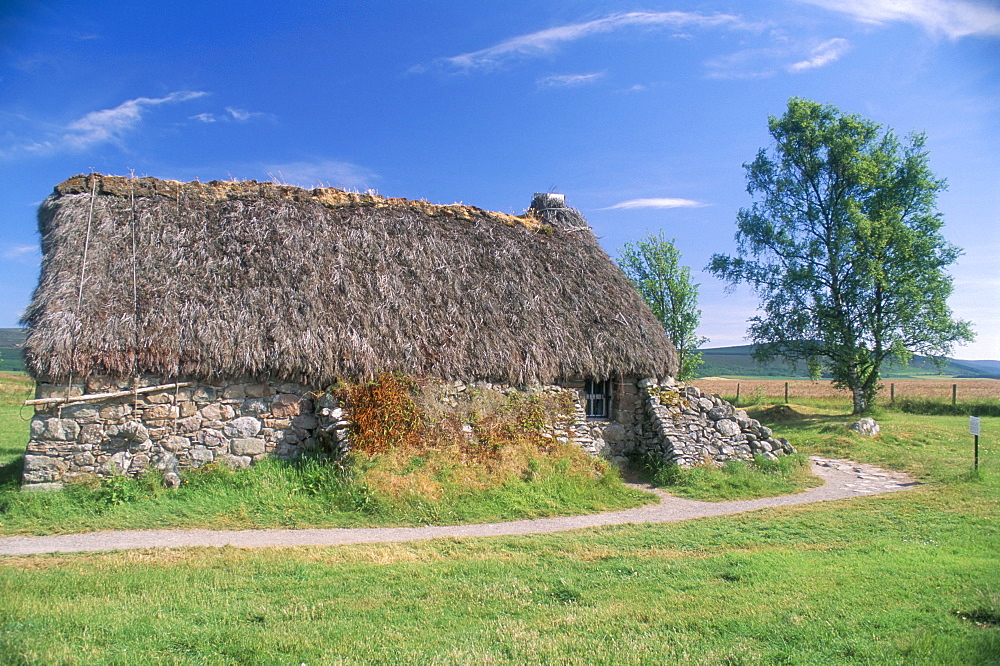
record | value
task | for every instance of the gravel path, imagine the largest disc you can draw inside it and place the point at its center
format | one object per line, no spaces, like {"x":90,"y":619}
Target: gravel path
{"x":843,"y":479}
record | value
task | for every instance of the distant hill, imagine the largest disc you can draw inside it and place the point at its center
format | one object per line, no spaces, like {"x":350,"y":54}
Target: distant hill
{"x":11,"y":346}
{"x":738,"y":362}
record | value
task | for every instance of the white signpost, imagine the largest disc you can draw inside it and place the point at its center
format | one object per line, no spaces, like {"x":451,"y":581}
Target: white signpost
{"x":974,"y":429}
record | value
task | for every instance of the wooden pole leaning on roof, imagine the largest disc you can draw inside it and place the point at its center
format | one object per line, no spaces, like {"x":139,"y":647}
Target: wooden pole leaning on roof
{"x":105,"y":396}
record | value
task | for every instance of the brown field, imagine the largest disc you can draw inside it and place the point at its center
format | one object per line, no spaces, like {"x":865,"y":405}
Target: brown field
{"x":933,"y":389}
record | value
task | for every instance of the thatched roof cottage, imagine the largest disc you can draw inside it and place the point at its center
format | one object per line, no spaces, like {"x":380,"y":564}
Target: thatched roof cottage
{"x":180,"y":323}
{"x":256,"y":280}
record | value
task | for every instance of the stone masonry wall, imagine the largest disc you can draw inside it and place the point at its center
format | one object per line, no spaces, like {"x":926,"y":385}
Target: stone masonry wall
{"x":171,"y":430}
{"x":615,"y":437}
{"x":236,"y":423}
{"x":689,"y":428}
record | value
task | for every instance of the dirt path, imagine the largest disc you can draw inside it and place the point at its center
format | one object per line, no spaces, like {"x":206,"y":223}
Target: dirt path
{"x":843,"y":479}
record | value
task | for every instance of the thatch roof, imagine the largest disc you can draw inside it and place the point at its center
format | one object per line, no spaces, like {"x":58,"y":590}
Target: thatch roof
{"x":247,"y":279}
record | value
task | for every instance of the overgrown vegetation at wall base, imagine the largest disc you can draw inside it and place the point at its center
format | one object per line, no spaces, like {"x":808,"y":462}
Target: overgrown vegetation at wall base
{"x":510,"y":467}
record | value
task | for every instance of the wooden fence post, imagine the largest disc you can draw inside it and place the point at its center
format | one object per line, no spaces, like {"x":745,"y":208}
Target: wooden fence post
{"x":786,"y":393}
{"x":737,"y":393}
{"x":892,"y":393}
{"x":954,"y":394}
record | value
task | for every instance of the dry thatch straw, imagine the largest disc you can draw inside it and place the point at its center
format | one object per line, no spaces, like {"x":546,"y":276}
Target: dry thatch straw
{"x":256,"y":280}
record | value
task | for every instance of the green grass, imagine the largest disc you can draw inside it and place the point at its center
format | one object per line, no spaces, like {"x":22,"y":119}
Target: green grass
{"x":904,"y":578}
{"x":314,"y":493}
{"x":15,"y":388}
{"x":735,"y":480}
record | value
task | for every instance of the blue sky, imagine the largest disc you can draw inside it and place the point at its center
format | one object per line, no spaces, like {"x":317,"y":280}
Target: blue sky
{"x":642,"y":113}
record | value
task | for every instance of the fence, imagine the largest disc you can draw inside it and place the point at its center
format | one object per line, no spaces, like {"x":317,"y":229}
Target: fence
{"x":950,"y":391}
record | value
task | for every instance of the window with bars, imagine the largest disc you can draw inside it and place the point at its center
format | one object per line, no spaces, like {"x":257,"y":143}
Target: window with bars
{"x":598,"y":396}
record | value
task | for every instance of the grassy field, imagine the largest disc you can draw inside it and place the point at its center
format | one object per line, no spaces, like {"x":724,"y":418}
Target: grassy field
{"x":907,"y":578}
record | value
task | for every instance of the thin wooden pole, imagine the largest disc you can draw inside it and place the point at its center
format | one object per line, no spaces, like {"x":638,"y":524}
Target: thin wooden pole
{"x":954,"y":394}
{"x":737,"y":393}
{"x":786,"y":393}
{"x":105,"y":396}
{"x":892,"y":393}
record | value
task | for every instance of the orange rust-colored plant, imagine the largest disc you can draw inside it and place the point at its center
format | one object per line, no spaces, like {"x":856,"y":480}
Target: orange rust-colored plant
{"x":383,"y":414}
{"x":396,"y":413}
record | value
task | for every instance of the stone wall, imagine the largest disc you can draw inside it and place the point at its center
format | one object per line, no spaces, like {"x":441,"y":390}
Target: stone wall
{"x":613,"y":437}
{"x":236,"y":423}
{"x":239,"y":423}
{"x":684,"y":426}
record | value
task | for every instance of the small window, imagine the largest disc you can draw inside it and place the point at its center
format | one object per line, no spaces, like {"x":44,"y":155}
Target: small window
{"x":598,"y":398}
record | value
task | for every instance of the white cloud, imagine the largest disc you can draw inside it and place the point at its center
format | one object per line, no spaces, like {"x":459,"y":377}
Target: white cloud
{"x":232,"y":114}
{"x":111,"y":124}
{"x":242,"y":115}
{"x":23,"y":254}
{"x":569,"y":80}
{"x":758,"y":63}
{"x":664,"y":202}
{"x":19,"y":251}
{"x":824,"y":54}
{"x":745,"y":64}
{"x":323,"y":173}
{"x":545,"y":41}
{"x":952,"y":18}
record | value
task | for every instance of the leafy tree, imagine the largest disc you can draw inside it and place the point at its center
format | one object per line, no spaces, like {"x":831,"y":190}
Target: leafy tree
{"x":843,"y":247}
{"x":653,"y":265}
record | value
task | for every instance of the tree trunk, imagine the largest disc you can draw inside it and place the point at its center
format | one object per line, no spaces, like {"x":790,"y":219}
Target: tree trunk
{"x":860,"y":400}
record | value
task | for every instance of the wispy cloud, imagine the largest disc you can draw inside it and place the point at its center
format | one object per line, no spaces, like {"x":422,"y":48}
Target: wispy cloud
{"x":791,"y":55}
{"x":323,"y":173}
{"x":19,"y":251}
{"x":754,"y":63}
{"x":545,"y":41}
{"x":662,"y":202}
{"x":952,"y":18}
{"x":112,"y":124}
{"x":23,"y":254}
{"x":824,"y":54}
{"x":232,"y":114}
{"x":569,"y":80}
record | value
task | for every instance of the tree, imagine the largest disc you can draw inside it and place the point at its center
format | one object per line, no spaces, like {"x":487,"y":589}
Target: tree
{"x":843,"y":247}
{"x":653,"y":266}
